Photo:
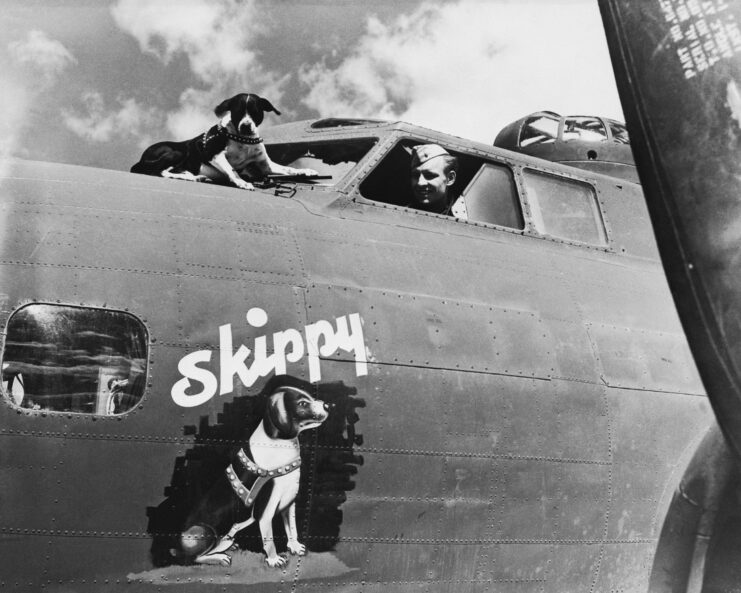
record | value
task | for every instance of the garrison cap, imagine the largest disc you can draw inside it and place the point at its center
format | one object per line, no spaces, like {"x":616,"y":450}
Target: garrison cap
{"x":425,"y":152}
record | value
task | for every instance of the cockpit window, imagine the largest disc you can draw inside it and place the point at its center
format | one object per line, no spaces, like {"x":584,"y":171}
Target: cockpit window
{"x":539,"y":129}
{"x":483,"y":191}
{"x":619,"y":132}
{"x":587,"y":129}
{"x":74,"y":359}
{"x":491,"y":197}
{"x":333,"y":159}
{"x":564,"y":208}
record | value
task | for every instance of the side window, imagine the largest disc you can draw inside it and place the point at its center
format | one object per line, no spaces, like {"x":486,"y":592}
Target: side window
{"x":589,"y":129}
{"x":564,"y":208}
{"x":389,"y":182}
{"x":491,"y":197}
{"x":619,"y":132}
{"x":487,"y":190}
{"x":540,"y":129}
{"x":332,"y":160}
{"x":74,"y":359}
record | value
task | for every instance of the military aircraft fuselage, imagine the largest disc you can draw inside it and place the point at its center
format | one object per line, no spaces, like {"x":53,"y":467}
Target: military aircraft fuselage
{"x":511,"y":402}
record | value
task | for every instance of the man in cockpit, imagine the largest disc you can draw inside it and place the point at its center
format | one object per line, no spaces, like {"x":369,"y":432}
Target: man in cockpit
{"x":433,"y":175}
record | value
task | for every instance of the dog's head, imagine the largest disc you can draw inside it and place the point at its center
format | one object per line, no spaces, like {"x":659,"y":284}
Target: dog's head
{"x":247,"y":112}
{"x":291,"y":410}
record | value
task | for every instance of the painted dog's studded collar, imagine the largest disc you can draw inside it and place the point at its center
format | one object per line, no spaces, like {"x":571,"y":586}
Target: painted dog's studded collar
{"x":279,"y":471}
{"x":241,"y":139}
{"x":248,"y":494}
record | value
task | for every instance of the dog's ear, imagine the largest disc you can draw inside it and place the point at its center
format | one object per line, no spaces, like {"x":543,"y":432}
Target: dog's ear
{"x":266,"y":105}
{"x":223,"y":108}
{"x":278,"y":423}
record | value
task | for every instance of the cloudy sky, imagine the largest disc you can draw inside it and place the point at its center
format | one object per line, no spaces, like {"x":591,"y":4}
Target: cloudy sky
{"x":92,"y":82}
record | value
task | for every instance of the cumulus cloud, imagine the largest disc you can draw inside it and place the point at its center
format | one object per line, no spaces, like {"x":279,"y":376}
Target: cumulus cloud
{"x":217,"y":38}
{"x":16,"y":98}
{"x":99,"y":123}
{"x":46,"y":55}
{"x":471,"y":67}
{"x":33,"y":64}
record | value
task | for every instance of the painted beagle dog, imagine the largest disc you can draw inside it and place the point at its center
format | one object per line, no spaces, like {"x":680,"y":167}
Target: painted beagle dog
{"x":265,"y":479}
{"x":232,"y":150}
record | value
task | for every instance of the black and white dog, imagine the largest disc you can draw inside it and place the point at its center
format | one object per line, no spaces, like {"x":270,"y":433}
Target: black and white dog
{"x":230,"y":151}
{"x":265,"y":478}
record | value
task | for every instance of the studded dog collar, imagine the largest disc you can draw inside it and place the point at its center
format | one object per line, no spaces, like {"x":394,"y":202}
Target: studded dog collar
{"x":241,"y":139}
{"x":248,"y":493}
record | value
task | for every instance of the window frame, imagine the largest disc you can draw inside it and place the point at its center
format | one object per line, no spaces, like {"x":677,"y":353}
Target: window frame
{"x":517,"y":168}
{"x":8,"y":398}
{"x":350,"y":176}
{"x":385,"y":148}
{"x":491,"y":163}
{"x":531,"y":218}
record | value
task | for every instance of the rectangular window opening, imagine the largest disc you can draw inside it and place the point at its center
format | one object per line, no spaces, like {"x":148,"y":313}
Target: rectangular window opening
{"x":335,"y":158}
{"x":59,"y":358}
{"x":564,"y":208}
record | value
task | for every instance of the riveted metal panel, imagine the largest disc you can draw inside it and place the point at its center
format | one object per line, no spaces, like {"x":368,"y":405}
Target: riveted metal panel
{"x":222,"y":249}
{"x":644,"y":458}
{"x":205,"y":304}
{"x":499,"y":561}
{"x":381,"y":584}
{"x":121,"y":241}
{"x":578,"y":421}
{"x":404,"y":564}
{"x":487,"y":267}
{"x":111,"y":560}
{"x":536,"y":495}
{"x":645,"y":359}
{"x":442,"y":450}
{"x":34,"y":475}
{"x":573,"y":351}
{"x":629,"y":569}
{"x":620,"y":295}
{"x":573,"y":568}
{"x":40,"y":234}
{"x":108,"y":514}
{"x":417,"y":330}
{"x":40,"y":283}
{"x":139,"y":292}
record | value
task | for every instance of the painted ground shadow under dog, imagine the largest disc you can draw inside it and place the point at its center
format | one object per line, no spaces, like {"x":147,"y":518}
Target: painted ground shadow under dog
{"x":328,"y":460}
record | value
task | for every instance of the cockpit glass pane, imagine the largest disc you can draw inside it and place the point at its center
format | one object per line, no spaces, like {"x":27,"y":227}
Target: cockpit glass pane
{"x":74,"y":359}
{"x":564,"y":208}
{"x":540,"y":129}
{"x":586,"y":129}
{"x":491,"y":197}
{"x":331,"y":159}
{"x":619,"y":132}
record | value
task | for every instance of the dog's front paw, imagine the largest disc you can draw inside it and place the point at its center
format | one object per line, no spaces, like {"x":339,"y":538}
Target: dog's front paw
{"x":203,"y":179}
{"x":215,"y":559}
{"x":276,"y":561}
{"x":242,"y":184}
{"x":307,"y":172}
{"x":296,"y":548}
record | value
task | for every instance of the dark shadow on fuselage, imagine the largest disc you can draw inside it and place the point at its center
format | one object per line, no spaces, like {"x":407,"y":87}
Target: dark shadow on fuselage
{"x":328,"y":464}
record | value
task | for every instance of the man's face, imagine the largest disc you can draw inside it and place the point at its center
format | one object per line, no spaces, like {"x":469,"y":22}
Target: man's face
{"x":430,"y":185}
